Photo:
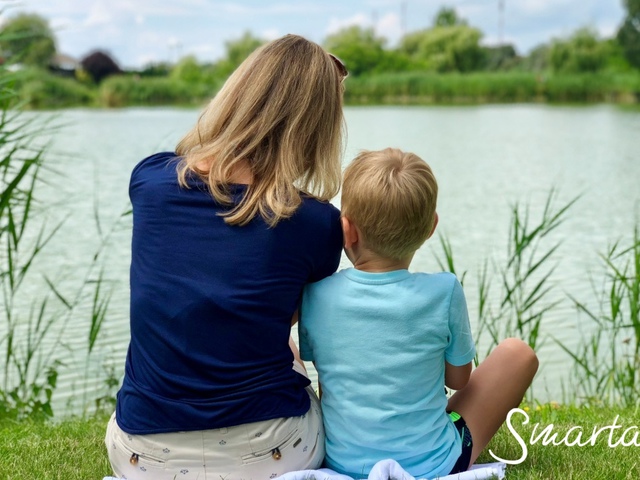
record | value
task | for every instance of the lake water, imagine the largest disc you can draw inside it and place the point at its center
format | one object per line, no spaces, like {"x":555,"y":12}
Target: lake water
{"x":485,"y":158}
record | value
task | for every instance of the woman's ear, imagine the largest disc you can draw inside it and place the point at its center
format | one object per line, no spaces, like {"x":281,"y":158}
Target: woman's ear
{"x":349,"y":232}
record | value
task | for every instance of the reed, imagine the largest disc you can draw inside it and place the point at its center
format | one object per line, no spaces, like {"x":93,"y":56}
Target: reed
{"x":31,"y":338}
{"x":606,"y":369}
{"x":119,"y":91}
{"x":514,"y":292}
{"x":491,"y":87}
{"x":523,"y":277}
{"x":23,"y":388}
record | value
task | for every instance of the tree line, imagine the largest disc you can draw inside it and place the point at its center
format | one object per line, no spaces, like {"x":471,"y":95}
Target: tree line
{"x":449,"y":46}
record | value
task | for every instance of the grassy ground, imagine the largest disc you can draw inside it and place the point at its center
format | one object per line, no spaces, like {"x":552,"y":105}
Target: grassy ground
{"x":592,"y":462}
{"x":74,"y":449}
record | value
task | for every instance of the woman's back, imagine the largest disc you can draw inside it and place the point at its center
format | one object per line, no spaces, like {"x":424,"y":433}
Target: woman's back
{"x":211,"y":305}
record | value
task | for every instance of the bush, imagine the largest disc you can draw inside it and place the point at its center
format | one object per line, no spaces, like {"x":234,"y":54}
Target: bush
{"x":39,"y":89}
{"x":424,"y":87}
{"x":496,"y":87}
{"x":128,"y":90}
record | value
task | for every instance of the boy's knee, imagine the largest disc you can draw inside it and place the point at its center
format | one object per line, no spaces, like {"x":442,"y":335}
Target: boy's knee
{"x":521,"y":351}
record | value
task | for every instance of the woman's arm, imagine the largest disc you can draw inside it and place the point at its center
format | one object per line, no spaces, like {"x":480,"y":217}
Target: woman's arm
{"x":456,"y":378}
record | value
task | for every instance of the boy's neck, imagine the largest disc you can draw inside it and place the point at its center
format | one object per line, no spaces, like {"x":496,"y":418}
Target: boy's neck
{"x":372,"y":263}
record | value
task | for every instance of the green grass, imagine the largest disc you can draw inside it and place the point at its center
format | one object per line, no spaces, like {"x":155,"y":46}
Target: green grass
{"x":569,"y":462}
{"x":74,"y":449}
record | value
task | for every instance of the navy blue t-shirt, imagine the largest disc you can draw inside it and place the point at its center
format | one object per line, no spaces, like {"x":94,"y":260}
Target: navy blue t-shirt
{"x":211,"y":306}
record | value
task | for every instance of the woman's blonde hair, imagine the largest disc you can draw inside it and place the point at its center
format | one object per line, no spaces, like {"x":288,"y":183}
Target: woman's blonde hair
{"x":391,"y":196}
{"x":281,"y":111}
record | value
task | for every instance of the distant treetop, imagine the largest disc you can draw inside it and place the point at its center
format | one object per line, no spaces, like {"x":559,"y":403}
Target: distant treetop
{"x":99,"y":65}
{"x":27,"y":39}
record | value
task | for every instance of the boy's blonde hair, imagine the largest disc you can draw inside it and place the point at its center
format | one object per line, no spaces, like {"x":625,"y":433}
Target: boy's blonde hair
{"x":281,"y":111}
{"x":390,"y":195}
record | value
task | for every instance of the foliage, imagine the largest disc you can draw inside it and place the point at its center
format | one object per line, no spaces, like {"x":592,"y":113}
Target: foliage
{"x":31,"y":343}
{"x":445,"y":49}
{"x":607,"y":363}
{"x":39,"y":89}
{"x":23,"y":390}
{"x":524,"y":277}
{"x":27,"y":39}
{"x":159,"y":69}
{"x":503,"y":57}
{"x":363,"y":51}
{"x":447,"y":17}
{"x":513,"y":86}
{"x":629,"y":33}
{"x":580,"y":68}
{"x":129,"y":90}
{"x":538,"y":59}
{"x":616,"y":60}
{"x":237,"y":51}
{"x":99,"y":65}
{"x":429,"y":88}
{"x":187,"y":70}
{"x":591,"y":88}
{"x":582,"y":52}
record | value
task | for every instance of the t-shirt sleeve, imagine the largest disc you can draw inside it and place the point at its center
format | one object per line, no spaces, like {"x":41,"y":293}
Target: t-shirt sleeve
{"x":328,"y":263}
{"x":461,"y":349}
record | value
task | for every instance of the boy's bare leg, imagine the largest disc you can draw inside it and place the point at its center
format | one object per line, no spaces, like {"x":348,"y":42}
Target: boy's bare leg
{"x":495,"y":387}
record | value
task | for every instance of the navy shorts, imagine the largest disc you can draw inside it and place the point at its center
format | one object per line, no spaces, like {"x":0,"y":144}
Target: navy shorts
{"x":462,"y":465}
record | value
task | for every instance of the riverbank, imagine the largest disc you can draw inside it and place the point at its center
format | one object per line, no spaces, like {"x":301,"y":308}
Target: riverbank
{"x":420,"y":88}
{"x":74,"y":448}
{"x":42,"y":90}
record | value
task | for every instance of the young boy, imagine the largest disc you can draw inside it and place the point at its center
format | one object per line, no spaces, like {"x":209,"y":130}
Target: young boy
{"x":386,"y":341}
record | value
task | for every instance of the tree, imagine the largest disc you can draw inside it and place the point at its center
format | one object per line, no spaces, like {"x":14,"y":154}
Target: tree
{"x":629,"y":33}
{"x":28,"y":39}
{"x":99,"y":65}
{"x":156,"y":69}
{"x":187,"y":70}
{"x":501,"y":57}
{"x":583,"y":52}
{"x":447,"y":17}
{"x":237,"y":51}
{"x":538,"y":58}
{"x":445,"y":48}
{"x":364,"y":52}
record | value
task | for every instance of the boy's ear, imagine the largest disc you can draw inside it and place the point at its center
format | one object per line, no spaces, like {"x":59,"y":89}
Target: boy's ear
{"x":435,"y":224}
{"x":349,"y":232}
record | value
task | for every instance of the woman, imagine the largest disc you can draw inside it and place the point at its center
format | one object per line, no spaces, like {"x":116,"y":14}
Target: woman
{"x":226,"y":232}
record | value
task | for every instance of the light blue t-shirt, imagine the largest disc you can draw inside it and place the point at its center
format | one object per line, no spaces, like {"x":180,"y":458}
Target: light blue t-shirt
{"x":379,"y":342}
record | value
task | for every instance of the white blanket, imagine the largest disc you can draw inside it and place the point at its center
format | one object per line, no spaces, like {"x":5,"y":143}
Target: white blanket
{"x":390,"y":470}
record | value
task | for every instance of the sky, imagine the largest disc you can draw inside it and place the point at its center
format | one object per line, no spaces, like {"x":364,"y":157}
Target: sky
{"x":139,"y":32}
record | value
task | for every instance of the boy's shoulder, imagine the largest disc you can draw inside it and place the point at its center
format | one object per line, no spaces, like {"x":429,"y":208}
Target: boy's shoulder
{"x":351,"y":274}
{"x":326,"y":282}
{"x":436,"y":277}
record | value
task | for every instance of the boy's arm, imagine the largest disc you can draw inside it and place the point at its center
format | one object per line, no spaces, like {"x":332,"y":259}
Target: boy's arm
{"x":461,"y":349}
{"x":456,"y":378}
